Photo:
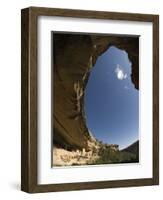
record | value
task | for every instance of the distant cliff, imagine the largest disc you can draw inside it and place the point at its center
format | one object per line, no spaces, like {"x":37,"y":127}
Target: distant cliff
{"x":133,"y":148}
{"x":74,"y":57}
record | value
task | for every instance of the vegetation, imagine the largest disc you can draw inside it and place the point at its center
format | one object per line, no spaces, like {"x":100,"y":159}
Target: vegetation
{"x":109,"y":156}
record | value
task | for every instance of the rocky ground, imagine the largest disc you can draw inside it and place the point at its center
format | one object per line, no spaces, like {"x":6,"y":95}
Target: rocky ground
{"x":97,"y":153}
{"x":62,"y":157}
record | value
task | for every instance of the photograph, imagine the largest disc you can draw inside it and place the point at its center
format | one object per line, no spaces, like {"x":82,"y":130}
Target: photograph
{"x":89,"y":99}
{"x":95,"y":99}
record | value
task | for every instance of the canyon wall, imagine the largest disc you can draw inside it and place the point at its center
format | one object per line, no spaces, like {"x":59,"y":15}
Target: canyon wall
{"x":74,"y":57}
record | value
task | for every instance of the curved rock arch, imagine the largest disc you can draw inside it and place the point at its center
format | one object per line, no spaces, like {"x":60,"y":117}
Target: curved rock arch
{"x":74,"y":56}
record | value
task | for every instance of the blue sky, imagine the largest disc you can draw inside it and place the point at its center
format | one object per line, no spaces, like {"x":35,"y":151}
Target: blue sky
{"x":111,"y":101}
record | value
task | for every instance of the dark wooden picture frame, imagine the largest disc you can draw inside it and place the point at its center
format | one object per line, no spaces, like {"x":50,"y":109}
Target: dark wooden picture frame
{"x":29,"y":172}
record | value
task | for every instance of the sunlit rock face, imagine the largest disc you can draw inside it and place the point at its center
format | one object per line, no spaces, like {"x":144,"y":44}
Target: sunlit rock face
{"x":74,"y":56}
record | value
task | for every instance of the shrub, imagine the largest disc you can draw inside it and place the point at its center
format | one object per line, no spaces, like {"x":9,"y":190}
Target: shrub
{"x":108,"y":156}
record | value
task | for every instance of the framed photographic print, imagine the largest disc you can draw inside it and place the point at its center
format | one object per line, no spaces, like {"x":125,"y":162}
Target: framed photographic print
{"x":90,"y":99}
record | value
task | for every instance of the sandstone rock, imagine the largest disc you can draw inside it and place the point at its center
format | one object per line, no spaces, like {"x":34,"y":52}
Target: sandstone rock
{"x":74,"y":56}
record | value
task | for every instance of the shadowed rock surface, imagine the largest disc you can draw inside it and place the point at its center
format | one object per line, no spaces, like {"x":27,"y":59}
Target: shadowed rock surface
{"x":74,"y":57}
{"x":133,"y":148}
